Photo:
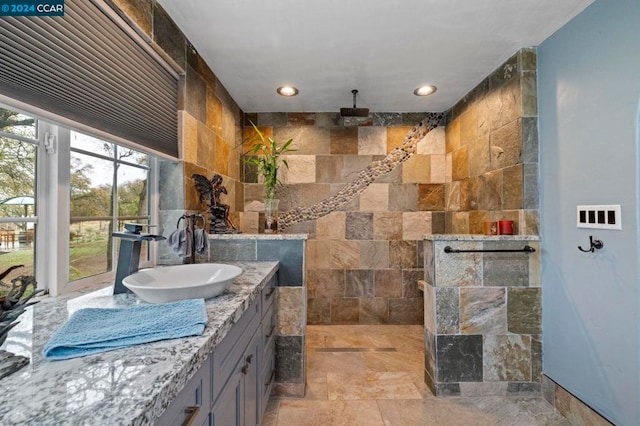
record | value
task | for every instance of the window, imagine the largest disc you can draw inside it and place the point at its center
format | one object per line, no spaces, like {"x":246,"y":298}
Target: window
{"x":18,"y":159}
{"x":108,"y":186}
{"x":104,"y":185}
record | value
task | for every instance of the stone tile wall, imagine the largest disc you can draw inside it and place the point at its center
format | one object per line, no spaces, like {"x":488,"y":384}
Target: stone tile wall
{"x":290,"y":303}
{"x":363,"y":261}
{"x":492,"y":151}
{"x":482,"y":317}
{"x":209,"y":121}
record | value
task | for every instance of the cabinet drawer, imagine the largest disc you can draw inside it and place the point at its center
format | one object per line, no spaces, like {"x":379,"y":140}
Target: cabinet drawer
{"x":268,"y":331}
{"x":269,"y":294}
{"x":192,"y":403}
{"x":230,"y":349}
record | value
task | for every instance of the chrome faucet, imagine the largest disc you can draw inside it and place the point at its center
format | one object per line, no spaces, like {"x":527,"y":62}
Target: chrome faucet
{"x":129,"y":255}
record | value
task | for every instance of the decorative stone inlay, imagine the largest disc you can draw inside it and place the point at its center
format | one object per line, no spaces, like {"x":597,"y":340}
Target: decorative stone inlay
{"x":366,"y":176}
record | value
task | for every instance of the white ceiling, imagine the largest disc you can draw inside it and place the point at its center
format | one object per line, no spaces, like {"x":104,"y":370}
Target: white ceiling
{"x":383,"y":48}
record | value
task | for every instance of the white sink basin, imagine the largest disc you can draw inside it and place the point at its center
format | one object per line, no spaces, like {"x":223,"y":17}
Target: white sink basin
{"x":170,"y":283}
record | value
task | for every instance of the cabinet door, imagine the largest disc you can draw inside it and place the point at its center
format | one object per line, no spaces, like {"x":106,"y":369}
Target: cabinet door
{"x":251,"y":372}
{"x":192,"y":403}
{"x":228,"y":410}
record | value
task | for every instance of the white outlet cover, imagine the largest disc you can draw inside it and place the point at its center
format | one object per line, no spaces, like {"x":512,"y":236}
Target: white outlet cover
{"x":599,"y":216}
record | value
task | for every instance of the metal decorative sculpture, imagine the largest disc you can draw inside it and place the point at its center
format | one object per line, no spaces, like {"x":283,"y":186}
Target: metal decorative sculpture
{"x":210,"y":191}
{"x":12,"y":305}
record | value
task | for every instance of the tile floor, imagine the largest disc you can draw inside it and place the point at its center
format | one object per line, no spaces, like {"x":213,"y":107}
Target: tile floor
{"x":372,"y":375}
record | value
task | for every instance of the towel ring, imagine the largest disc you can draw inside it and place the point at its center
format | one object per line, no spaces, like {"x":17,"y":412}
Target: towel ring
{"x":179,"y":220}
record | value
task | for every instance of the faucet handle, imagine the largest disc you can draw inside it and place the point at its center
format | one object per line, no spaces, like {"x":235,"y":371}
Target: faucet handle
{"x":136,"y":228}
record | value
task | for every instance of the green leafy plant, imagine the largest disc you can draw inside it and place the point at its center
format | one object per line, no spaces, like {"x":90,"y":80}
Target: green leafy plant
{"x":264,"y":152}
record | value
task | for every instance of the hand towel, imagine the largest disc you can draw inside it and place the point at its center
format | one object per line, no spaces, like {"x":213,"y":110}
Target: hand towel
{"x":201,"y":240}
{"x":181,"y":242}
{"x":93,"y":330}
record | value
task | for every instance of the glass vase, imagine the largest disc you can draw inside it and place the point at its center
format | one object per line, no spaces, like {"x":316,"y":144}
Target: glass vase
{"x":271,"y":215}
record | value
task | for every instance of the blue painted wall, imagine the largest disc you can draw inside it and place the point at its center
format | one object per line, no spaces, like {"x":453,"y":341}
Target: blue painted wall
{"x":589,"y":96}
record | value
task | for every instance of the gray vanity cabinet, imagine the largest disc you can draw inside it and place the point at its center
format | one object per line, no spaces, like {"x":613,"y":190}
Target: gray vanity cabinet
{"x":237,"y":403}
{"x":189,"y":406}
{"x":232,"y":387}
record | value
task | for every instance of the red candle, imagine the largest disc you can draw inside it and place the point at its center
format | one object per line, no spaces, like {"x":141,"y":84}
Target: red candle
{"x":505,"y":227}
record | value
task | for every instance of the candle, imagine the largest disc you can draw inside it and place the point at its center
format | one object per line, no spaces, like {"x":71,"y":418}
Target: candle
{"x":505,"y":227}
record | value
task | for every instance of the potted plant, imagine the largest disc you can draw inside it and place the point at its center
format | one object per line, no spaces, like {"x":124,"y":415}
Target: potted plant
{"x":264,"y":152}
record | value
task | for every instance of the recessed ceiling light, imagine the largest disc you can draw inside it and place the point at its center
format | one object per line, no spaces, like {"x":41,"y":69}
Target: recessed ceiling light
{"x":287,"y":91}
{"x":425,"y":90}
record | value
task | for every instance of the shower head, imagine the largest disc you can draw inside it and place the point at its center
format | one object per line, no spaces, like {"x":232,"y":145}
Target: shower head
{"x":354,"y":112}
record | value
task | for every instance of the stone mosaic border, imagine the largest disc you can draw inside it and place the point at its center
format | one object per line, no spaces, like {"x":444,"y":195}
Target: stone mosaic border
{"x":366,"y":176}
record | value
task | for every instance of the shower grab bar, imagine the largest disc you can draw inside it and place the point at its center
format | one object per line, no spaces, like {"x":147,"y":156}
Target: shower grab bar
{"x":525,"y":249}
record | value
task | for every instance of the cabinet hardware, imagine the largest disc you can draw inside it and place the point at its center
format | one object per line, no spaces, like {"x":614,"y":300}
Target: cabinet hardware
{"x":245,"y":369}
{"x":249,"y":359}
{"x":268,"y":295}
{"x":273,"y":327}
{"x":192,"y":413}
{"x":273,"y":376}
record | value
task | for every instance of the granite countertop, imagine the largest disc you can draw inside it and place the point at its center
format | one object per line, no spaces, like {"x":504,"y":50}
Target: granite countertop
{"x":258,"y":236}
{"x":479,"y":237}
{"x":130,"y":386}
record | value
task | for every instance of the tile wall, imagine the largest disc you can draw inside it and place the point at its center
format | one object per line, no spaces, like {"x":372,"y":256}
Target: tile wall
{"x":363,"y":261}
{"x":492,"y":151}
{"x":290,"y":305}
{"x":209,"y":121}
{"x":483,"y":312}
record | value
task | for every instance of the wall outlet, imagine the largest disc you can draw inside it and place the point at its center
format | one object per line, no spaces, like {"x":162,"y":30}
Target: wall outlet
{"x":599,"y":217}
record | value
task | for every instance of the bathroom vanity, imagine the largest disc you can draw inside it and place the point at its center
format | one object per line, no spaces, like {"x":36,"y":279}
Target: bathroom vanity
{"x":222,"y":377}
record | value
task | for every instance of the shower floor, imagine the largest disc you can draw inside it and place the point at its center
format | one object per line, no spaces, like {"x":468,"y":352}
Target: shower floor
{"x":373,"y":375}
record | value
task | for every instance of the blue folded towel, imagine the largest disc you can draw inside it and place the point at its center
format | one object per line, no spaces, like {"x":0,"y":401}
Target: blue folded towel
{"x":93,"y":330}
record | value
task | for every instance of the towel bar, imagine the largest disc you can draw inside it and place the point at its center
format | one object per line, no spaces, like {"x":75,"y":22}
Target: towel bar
{"x":525,"y":249}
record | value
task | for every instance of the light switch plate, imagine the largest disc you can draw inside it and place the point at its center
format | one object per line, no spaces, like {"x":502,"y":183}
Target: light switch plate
{"x":599,"y":217}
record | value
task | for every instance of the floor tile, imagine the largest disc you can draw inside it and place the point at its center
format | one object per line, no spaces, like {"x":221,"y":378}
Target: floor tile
{"x":362,"y":386}
{"x":394,"y":361}
{"x":431,"y":412}
{"x":316,"y":385}
{"x":371,"y":387}
{"x":324,"y":413}
{"x":335,"y":362}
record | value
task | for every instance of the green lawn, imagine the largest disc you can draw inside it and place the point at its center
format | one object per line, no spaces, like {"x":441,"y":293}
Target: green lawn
{"x":85,"y":258}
